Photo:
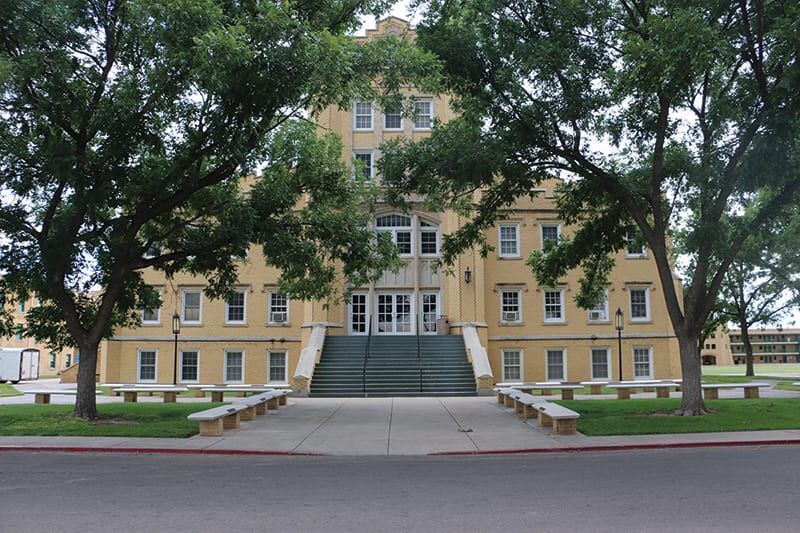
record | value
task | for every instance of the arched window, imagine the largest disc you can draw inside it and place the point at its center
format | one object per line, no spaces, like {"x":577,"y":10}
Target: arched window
{"x":399,"y":228}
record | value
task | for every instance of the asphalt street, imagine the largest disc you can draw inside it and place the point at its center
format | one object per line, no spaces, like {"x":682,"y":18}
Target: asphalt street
{"x":706,"y":489}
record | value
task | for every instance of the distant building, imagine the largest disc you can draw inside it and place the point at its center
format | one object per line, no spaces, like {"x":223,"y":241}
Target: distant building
{"x":717,"y":349}
{"x":770,"y":345}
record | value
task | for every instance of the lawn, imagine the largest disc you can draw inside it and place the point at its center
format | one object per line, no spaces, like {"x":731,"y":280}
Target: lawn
{"x":652,"y":416}
{"x":765,"y":368}
{"x":116,"y":420}
{"x":7,"y":389}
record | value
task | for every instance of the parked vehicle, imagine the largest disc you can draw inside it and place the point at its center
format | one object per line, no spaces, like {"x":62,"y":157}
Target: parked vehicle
{"x":17,"y":364}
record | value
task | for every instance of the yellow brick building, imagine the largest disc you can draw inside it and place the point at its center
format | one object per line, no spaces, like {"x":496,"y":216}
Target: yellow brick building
{"x":509,"y":328}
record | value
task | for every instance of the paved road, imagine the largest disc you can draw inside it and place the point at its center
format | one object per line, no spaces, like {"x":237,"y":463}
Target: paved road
{"x":709,"y":489}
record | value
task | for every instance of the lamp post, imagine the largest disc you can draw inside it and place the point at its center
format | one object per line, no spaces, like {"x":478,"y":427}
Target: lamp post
{"x":176,"y":329}
{"x":619,"y":323}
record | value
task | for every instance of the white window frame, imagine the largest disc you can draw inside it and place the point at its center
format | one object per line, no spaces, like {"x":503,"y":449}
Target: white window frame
{"x":649,"y":362}
{"x":518,"y":292}
{"x":436,"y":311}
{"x":356,"y":115}
{"x":225,"y":366}
{"x":646,"y":301}
{"x":184,"y":321}
{"x":562,"y":308}
{"x":365,"y":295}
{"x":371,"y":168}
{"x":609,"y":370}
{"x":155,"y":322}
{"x":594,"y":309}
{"x":521,"y":365}
{"x":180,"y":366}
{"x":392,"y":231}
{"x":428,"y":101}
{"x":432,"y":228}
{"x":563,"y":363}
{"x":270,"y":310}
{"x":139,"y":365}
{"x":549,"y":225}
{"x":500,"y":253}
{"x":630,"y":238}
{"x":244,"y":309}
{"x":285,"y":379}
{"x":386,"y":116}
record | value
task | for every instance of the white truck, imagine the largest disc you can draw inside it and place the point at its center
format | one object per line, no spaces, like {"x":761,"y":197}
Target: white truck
{"x":17,"y":364}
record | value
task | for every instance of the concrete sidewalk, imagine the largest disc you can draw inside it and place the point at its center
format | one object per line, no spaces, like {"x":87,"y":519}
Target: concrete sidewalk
{"x":395,"y":426}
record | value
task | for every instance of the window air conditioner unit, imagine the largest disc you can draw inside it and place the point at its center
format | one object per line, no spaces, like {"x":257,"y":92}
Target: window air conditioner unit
{"x":510,"y":316}
{"x":595,"y":315}
{"x":279,"y":317}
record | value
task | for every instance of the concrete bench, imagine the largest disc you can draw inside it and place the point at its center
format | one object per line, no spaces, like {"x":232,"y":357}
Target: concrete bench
{"x":42,"y":396}
{"x":214,"y":420}
{"x":218,"y":392}
{"x":796,"y":383}
{"x":562,"y":420}
{"x":526,"y":405}
{"x":169,"y":394}
{"x":504,"y":395}
{"x":595,"y":387}
{"x":711,"y":390}
{"x":567,"y":389}
{"x":661,"y":388}
{"x":196,"y":387}
{"x":258,"y":405}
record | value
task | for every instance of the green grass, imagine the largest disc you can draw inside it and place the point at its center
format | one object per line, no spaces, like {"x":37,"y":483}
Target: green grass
{"x":745,"y":379}
{"x":787,"y":385}
{"x":764,"y":368}
{"x":653,"y":416}
{"x":132,"y":420}
{"x":7,"y":389}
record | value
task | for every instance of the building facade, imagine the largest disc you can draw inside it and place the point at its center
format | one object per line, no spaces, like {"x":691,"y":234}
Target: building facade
{"x":770,"y":345}
{"x":716,"y":349}
{"x":513,"y":329}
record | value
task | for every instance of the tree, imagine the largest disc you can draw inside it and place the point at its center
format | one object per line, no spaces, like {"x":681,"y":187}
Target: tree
{"x":763,"y":283}
{"x":663,"y":114}
{"x":130,"y":130}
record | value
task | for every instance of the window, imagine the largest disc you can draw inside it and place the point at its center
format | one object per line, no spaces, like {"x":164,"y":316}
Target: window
{"x":509,"y":306}
{"x":554,"y":305}
{"x":599,"y":313}
{"x":52,"y":360}
{"x":234,"y":366}
{"x":20,"y":333}
{"x":192,"y":305}
{"x":430,"y":310}
{"x":358,"y":313}
{"x":235,"y":308}
{"x":190,"y":365}
{"x":147,"y":365}
{"x":21,"y":307}
{"x":642,"y":363}
{"x":362,"y":116}
{"x":714,"y":346}
{"x":640,"y":304}
{"x":151,"y":316}
{"x":509,"y":240}
{"x":68,"y":360}
{"x":398,"y":228}
{"x":550,"y":233}
{"x":428,"y":239}
{"x":277,"y":367}
{"x":393,"y":118}
{"x":364,"y":162}
{"x":635,"y":246}
{"x":512,"y":365}
{"x":600,"y":363}
{"x":278,"y":308}
{"x":555,"y":364}
{"x":423,"y":114}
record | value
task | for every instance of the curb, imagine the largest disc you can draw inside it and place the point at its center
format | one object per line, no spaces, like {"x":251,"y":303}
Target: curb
{"x":163,"y":451}
{"x":623,"y":447}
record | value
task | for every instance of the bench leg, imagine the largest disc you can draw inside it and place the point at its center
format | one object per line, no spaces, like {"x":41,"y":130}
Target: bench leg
{"x":623,"y":394}
{"x":231,"y":421}
{"x":211,"y":428}
{"x":596,"y":389}
{"x":131,"y":397}
{"x":648,"y":389}
{"x":567,"y":426}
{"x":711,"y":394}
{"x":500,"y":397}
{"x":249,"y":413}
{"x":170,"y":397}
{"x":283,"y":399}
{"x":662,"y":393}
{"x":261,"y":409}
{"x":507,"y":401}
{"x":518,"y":405}
{"x":544,"y":420}
{"x":751,"y":392}
{"x":199,"y":394}
{"x":241,"y":394}
{"x":114,"y":393}
{"x":546,"y":392}
{"x":272,"y":403}
{"x":216,"y":396}
{"x":528,"y":411}
{"x":567,"y":394}
{"x":41,"y":398}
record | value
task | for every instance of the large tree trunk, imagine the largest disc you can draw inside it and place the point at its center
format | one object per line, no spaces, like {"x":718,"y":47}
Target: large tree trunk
{"x":748,"y":349}
{"x":692,"y":397}
{"x":86,"y":401}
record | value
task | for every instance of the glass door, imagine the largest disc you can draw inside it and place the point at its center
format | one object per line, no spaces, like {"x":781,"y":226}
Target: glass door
{"x":394,"y":314}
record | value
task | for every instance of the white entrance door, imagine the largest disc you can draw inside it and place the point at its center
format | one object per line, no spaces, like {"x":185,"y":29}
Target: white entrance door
{"x":359,"y":313}
{"x":394,"y":314}
{"x":429,"y":301}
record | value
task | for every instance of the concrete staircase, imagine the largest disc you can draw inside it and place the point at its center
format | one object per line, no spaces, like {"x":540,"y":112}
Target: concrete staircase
{"x":392,"y":367}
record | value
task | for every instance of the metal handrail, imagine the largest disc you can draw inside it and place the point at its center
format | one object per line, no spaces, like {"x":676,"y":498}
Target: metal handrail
{"x":419,"y":354}
{"x":366,"y":356}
